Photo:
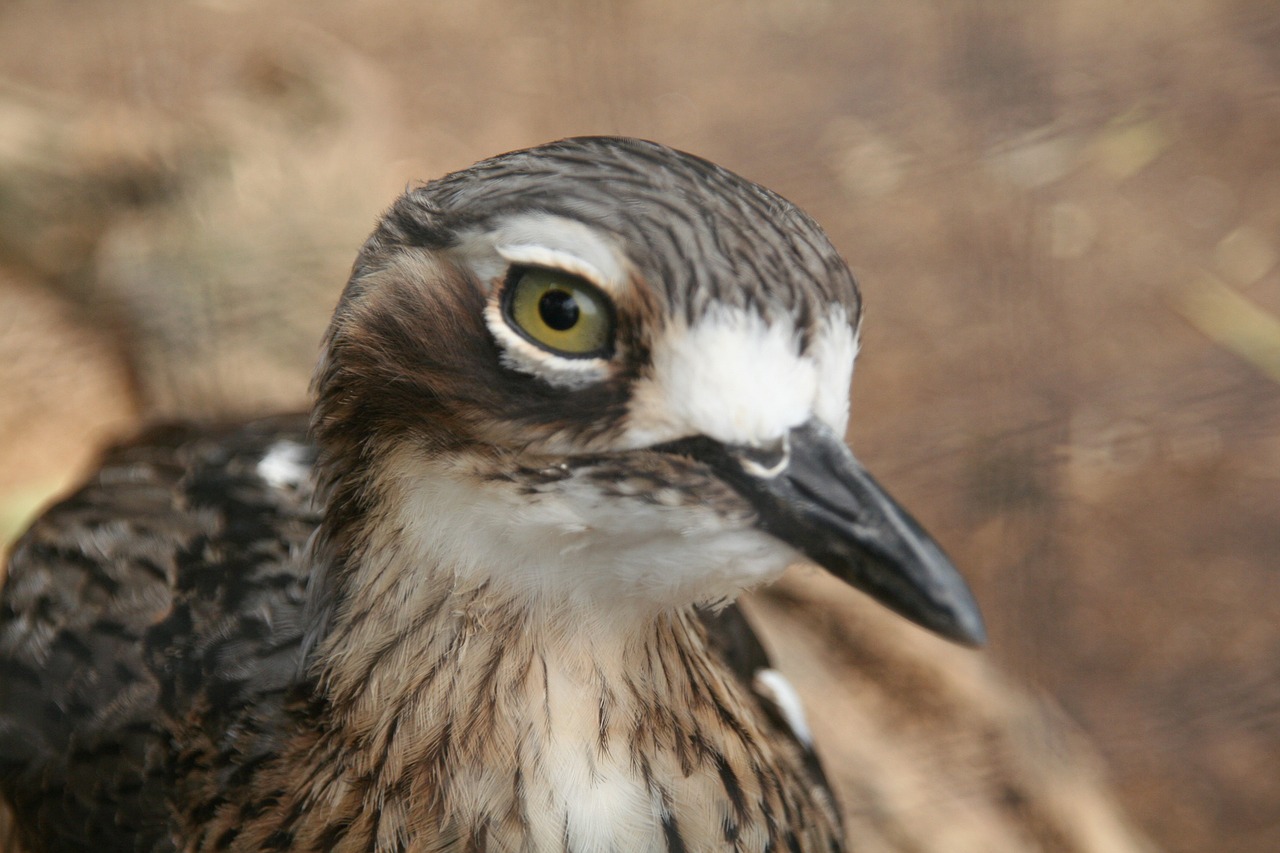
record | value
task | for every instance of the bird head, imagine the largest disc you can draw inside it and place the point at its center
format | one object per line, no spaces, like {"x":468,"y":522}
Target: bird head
{"x":602,"y":370}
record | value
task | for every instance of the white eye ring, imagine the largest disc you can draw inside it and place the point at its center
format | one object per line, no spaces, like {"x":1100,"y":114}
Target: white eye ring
{"x":542,"y":240}
{"x":519,"y":353}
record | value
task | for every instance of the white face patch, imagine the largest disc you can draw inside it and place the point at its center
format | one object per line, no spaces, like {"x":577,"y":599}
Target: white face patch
{"x":740,"y":380}
{"x":622,"y":555}
{"x":834,"y":348}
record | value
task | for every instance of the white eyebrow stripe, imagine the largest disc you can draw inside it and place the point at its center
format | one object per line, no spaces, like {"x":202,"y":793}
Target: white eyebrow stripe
{"x":544,"y":256}
{"x":546,"y":240}
{"x":559,"y":241}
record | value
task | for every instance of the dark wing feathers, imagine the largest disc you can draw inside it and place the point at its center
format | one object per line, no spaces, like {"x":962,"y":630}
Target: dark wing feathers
{"x":166,"y":583}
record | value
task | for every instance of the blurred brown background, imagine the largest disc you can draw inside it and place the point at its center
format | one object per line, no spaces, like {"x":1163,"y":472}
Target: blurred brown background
{"x":1065,"y":215}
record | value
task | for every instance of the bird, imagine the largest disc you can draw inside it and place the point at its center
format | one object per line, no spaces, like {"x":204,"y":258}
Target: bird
{"x":573,"y":400}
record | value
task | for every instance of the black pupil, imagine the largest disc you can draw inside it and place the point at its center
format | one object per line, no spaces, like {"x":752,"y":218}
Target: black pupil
{"x":558,"y":309}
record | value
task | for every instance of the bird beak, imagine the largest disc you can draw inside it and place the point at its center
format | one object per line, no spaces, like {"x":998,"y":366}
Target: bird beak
{"x":812,"y":493}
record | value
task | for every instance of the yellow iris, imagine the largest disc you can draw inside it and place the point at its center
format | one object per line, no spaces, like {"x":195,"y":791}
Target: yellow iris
{"x":560,"y":312}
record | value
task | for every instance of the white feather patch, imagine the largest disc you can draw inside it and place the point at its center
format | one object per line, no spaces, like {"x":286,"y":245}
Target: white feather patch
{"x":834,"y":348}
{"x":741,"y":380}
{"x":772,"y":685}
{"x":284,"y":465}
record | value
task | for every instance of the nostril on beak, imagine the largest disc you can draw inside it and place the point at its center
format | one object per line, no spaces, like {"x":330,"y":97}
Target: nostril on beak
{"x":768,"y":460}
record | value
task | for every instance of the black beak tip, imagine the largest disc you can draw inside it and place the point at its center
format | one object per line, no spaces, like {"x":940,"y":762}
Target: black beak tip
{"x":818,"y":498}
{"x":923,"y":585}
{"x":942,"y":600}
{"x":963,"y":624}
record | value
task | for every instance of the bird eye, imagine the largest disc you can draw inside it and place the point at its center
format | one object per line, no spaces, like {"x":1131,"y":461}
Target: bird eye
{"x":559,"y":312}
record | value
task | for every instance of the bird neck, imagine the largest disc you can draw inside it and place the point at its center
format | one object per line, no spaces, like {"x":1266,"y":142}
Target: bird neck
{"x":429,"y":641}
{"x":509,"y":730}
{"x":454,"y":708}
